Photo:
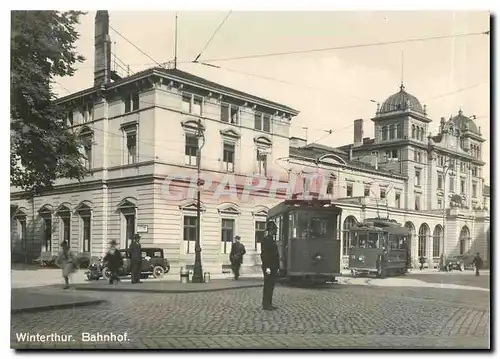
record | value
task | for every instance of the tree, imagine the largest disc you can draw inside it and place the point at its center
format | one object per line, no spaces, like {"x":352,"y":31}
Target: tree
{"x":43,"y":148}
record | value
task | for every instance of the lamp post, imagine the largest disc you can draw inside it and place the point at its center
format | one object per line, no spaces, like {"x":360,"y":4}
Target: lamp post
{"x":449,"y":164}
{"x":198,"y":270}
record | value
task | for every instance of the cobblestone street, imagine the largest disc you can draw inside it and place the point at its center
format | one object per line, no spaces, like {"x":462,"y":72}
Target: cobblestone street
{"x":342,"y":316}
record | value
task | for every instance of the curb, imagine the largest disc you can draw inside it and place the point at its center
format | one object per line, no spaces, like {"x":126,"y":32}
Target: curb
{"x":57,"y":306}
{"x":171,"y":291}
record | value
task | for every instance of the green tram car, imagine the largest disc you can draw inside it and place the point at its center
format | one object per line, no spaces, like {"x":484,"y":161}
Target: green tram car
{"x":379,"y":246}
{"x":308,"y":240}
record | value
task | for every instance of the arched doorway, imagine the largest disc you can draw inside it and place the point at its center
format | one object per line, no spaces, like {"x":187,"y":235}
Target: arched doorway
{"x":423,"y":235}
{"x":464,"y":240}
{"x":411,"y":227}
{"x":437,"y":240}
{"x":349,"y":222}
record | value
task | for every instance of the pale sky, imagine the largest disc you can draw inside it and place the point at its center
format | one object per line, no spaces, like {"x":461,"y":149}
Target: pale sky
{"x":330,"y":89}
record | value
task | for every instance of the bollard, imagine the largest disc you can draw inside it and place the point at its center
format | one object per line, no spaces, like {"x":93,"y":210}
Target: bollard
{"x":184,"y":276}
{"x":206,"y":277}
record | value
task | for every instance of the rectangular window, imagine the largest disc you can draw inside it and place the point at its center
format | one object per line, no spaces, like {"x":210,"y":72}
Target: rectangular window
{"x":227,"y":235}
{"x":262,"y":162}
{"x":419,"y":157}
{"x":186,"y":102}
{"x":86,"y":233}
{"x":190,"y":227}
{"x":349,"y":190}
{"x":235,"y":114}
{"x":475,"y":171}
{"x":367,"y":191}
{"x":257,"y":121}
{"x":191,"y":149}
{"x":440,"y":204}
{"x":224,"y":112}
{"x":129,"y":228}
{"x":474,"y":190}
{"x":260,"y":230}
{"x":415,"y":156}
{"x":131,"y":147}
{"x":88,"y":155}
{"x":127,"y":101}
{"x":382,"y":193}
{"x":417,"y":202}
{"x":47,"y":234}
{"x":397,"y":199}
{"x":440,"y":181}
{"x":228,"y":157}
{"x":131,"y":102}
{"x":196,"y":109}
{"x":417,"y":178}
{"x":88,"y":113}
{"x":135,"y":102}
{"x":452,"y":184}
{"x":462,"y":186}
{"x":262,"y":122}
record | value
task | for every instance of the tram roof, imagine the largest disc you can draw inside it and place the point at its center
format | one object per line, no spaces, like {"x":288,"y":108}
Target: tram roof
{"x":390,"y":230}
{"x":294,"y":204}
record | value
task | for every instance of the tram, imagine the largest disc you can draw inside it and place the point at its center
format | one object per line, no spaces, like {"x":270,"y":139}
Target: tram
{"x":379,"y":246}
{"x":308,"y":240}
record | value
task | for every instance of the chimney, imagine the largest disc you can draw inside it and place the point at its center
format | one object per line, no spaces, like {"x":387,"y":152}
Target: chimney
{"x":102,"y":49}
{"x":358,"y":132}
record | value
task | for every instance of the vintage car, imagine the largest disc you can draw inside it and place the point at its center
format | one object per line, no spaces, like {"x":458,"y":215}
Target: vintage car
{"x":461,"y":262}
{"x":153,"y":263}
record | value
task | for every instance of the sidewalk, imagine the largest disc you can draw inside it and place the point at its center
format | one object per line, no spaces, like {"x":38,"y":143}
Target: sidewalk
{"x":28,"y":301}
{"x":169,"y":286}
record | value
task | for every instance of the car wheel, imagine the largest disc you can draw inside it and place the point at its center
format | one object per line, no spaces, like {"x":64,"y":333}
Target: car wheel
{"x":106,"y":273}
{"x":462,"y":267}
{"x":167,"y":269}
{"x":158,"y":272}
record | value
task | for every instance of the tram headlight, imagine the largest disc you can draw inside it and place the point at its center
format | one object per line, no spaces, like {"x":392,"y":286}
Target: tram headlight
{"x":361,"y":258}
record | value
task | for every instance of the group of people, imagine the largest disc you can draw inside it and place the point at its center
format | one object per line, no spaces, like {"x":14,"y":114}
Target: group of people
{"x":68,"y":262}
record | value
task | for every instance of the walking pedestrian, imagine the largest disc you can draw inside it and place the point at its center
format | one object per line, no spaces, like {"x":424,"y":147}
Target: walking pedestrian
{"x":422,"y":261}
{"x":114,"y":262}
{"x":270,"y":265}
{"x":478,"y":263}
{"x":236,"y":256}
{"x":135,"y":259}
{"x":66,"y":260}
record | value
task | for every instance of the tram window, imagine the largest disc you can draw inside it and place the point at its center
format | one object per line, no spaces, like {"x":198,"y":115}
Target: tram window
{"x":372,"y":240}
{"x":362,"y":240}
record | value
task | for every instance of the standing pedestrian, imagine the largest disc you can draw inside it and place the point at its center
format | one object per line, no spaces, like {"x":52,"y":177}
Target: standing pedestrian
{"x":114,"y":262}
{"x":270,"y":265}
{"x":66,"y":260}
{"x":236,"y":256}
{"x":422,"y":261}
{"x":478,"y":263}
{"x":135,"y":259}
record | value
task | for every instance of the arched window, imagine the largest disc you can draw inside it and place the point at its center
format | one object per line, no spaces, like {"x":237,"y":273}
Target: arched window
{"x":399,"y":130}
{"x":392,"y":134}
{"x":464,"y":240}
{"x":64,"y":213}
{"x":128,"y":209}
{"x":423,"y":234}
{"x":421,"y":134}
{"x":412,"y":131}
{"x":349,"y":222}
{"x":84,"y":210}
{"x":384,"y":133}
{"x":437,"y":238}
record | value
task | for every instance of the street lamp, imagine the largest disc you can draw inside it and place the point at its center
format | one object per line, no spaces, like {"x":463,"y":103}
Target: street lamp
{"x":449,"y":164}
{"x":198,"y":270}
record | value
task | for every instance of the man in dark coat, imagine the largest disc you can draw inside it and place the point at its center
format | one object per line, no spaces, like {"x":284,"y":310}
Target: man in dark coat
{"x":135,"y":259}
{"x":236,"y":256}
{"x":478,"y":263}
{"x":270,"y":265}
{"x":114,"y":262}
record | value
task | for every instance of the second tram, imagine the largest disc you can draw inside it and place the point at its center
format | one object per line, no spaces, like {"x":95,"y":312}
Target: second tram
{"x":308,"y":240}
{"x":379,"y":246}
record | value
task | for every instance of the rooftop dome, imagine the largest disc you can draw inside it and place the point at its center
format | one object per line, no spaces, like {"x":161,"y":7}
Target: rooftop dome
{"x":401,"y":101}
{"x":464,"y":123}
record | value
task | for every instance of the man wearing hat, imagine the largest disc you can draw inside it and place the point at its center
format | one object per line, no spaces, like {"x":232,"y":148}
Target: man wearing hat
{"x":135,"y":259}
{"x":270,"y":264}
{"x":236,"y":256}
{"x":114,"y":262}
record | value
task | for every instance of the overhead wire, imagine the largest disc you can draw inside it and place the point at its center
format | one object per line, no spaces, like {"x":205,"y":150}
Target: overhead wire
{"x":212,"y":37}
{"x":345,"y":47}
{"x":135,"y":46}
